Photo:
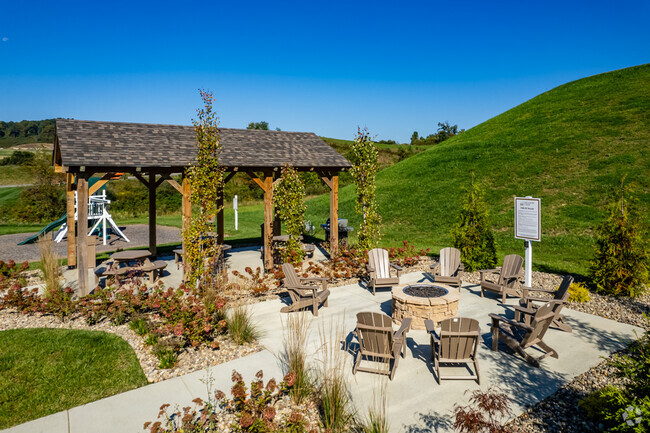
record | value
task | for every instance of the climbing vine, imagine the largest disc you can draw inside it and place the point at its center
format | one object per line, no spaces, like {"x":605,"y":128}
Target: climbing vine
{"x":205,"y":178}
{"x":364,"y":171}
{"x":289,"y":201}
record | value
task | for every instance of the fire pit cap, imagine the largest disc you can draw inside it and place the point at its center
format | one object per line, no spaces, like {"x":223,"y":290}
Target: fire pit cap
{"x":425,"y":290}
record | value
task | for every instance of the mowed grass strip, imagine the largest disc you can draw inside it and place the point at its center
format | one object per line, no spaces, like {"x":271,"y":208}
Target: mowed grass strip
{"x":44,"y":371}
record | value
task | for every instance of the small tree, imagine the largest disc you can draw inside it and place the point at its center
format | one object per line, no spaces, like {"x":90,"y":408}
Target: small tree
{"x":621,"y":262}
{"x":205,"y":178}
{"x":364,"y":171}
{"x":289,"y":201}
{"x":472,"y":234}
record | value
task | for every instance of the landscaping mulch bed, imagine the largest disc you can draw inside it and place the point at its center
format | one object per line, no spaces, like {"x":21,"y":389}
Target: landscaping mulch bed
{"x":189,"y":360}
{"x":559,"y":412}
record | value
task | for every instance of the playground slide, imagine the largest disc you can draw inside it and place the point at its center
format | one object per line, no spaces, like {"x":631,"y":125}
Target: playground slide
{"x":48,"y":228}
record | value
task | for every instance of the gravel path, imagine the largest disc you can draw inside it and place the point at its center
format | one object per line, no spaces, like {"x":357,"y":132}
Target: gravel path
{"x":138,"y":234}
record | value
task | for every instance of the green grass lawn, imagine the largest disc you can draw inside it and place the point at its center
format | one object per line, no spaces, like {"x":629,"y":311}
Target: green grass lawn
{"x":44,"y":371}
{"x":15,"y":175}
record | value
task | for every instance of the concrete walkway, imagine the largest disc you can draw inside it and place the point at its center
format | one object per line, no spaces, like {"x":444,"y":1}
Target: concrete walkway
{"x":416,"y":403}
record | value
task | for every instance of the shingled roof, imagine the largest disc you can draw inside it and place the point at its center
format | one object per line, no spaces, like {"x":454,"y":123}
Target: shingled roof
{"x":114,"y":145}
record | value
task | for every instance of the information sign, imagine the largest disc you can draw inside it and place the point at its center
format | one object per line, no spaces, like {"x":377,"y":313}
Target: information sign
{"x":528,"y":219}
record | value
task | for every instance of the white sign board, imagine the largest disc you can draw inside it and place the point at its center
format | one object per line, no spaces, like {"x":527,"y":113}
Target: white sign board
{"x":528,"y":219}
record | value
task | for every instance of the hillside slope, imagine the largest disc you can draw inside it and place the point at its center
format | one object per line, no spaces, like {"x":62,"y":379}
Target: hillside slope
{"x":567,"y":146}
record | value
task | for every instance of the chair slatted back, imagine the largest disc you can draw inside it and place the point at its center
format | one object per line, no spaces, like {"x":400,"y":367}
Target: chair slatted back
{"x":454,"y":341}
{"x":375,"y":332}
{"x":511,"y":270}
{"x":290,"y":277}
{"x":449,"y":261}
{"x":541,"y":321}
{"x":378,"y":259}
{"x":562,"y":293}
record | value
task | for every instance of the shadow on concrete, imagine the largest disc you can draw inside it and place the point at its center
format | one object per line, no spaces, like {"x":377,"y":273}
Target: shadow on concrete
{"x":430,"y":421}
{"x":386,"y":307}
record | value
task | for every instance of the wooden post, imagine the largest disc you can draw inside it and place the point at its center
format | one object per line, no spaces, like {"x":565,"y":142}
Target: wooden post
{"x":152,"y":214}
{"x":220,"y":225}
{"x":268,"y":223}
{"x":82,"y":238}
{"x":186,"y":204}
{"x":71,"y":223}
{"x":334,"y":216}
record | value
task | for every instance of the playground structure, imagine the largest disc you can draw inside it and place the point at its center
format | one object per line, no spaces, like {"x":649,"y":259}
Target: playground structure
{"x":98,"y":206}
{"x":98,"y":212}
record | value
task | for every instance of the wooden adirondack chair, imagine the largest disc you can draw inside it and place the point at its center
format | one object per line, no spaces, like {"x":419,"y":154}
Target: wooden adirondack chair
{"x":457,"y":343}
{"x":450,"y":267}
{"x":527,"y":306}
{"x":509,"y":274}
{"x":520,"y":336}
{"x":378,"y":342}
{"x":379,"y":270}
{"x":303,"y":295}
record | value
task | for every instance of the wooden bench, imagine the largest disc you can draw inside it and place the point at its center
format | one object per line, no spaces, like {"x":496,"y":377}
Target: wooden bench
{"x":106,"y":271}
{"x":154,"y":270}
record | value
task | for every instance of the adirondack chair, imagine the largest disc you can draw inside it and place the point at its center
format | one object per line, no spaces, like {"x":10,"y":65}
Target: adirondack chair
{"x":303,"y":295}
{"x":520,"y":336}
{"x":527,"y":306}
{"x":449,"y":267}
{"x":457,"y":343}
{"x":379,"y":270}
{"x":508,"y":283}
{"x":379,"y":343}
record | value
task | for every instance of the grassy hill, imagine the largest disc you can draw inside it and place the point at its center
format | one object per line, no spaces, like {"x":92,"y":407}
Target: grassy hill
{"x":567,"y":146}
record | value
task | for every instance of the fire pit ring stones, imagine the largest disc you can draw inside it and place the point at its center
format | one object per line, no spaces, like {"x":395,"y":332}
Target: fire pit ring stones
{"x":424,"y":301}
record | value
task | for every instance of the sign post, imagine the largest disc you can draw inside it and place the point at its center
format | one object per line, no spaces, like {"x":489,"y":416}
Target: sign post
{"x":528,"y":226}
{"x":234,"y":206}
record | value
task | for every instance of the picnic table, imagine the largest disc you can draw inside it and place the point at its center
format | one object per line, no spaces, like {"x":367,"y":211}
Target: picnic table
{"x":129,"y":256}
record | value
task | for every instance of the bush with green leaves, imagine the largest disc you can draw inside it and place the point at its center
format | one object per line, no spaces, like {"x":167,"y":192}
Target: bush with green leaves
{"x":626,"y":408}
{"x":578,"y":292}
{"x":289,"y":201}
{"x":472,"y":234}
{"x":621,"y":263}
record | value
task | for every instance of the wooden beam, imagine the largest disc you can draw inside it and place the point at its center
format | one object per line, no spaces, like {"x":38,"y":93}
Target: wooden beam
{"x":173,"y":183}
{"x":334,"y":216}
{"x":327,"y":181}
{"x":152,"y":214}
{"x":100,"y":183}
{"x":258,"y":181}
{"x":82,"y":238}
{"x":71,"y":223}
{"x":229,"y":176}
{"x":268,"y":223}
{"x":159,"y":181}
{"x":141,"y":179}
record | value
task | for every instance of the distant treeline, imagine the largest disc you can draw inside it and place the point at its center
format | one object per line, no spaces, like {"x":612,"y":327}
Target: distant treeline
{"x":41,"y":130}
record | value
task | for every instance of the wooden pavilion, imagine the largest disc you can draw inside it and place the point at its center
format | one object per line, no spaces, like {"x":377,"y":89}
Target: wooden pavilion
{"x":152,"y":153}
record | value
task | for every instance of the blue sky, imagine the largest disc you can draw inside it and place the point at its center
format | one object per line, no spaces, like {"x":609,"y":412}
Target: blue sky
{"x":324,"y":67}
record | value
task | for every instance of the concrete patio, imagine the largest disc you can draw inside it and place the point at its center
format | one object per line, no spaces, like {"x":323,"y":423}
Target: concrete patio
{"x":416,"y":402}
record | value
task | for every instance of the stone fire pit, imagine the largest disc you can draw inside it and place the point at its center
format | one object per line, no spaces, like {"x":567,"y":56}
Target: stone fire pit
{"x":424,"y":301}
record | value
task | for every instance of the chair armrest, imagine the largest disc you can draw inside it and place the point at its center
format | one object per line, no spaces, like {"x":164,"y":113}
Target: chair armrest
{"x":533,"y":298}
{"x":461,"y":267}
{"x":406,"y":324}
{"x":370,"y":268}
{"x":524,"y":310}
{"x":430,"y":325}
{"x":497,"y":318}
{"x":396,"y":266}
{"x":537,"y":289}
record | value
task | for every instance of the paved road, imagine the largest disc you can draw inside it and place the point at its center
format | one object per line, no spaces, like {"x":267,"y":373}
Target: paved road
{"x":138,"y":234}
